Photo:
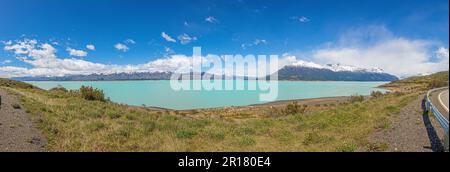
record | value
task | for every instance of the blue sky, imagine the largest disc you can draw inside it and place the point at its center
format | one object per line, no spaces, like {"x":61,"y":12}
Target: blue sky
{"x":327,"y":31}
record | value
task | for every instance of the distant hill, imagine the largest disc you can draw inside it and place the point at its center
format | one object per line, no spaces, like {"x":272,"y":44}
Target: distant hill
{"x":103,"y":77}
{"x":323,"y":74}
{"x":427,"y":82}
{"x":303,"y":71}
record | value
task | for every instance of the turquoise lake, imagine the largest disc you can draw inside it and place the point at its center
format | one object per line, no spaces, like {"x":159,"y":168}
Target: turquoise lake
{"x":159,"y":93}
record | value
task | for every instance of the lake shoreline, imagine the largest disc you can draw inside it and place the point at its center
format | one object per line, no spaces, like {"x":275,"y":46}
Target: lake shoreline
{"x":312,"y":91}
{"x":308,"y":101}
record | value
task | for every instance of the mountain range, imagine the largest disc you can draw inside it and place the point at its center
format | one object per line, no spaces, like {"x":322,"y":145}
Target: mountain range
{"x":301,"y":71}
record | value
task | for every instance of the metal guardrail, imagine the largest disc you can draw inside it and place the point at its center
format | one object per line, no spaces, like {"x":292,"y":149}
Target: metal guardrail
{"x":439,"y":117}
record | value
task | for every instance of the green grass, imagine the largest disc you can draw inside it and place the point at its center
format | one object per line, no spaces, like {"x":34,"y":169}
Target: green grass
{"x":347,"y":148}
{"x":186,"y":134}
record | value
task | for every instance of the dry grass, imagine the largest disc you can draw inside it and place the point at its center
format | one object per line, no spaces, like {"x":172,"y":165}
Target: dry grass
{"x":72,"y":123}
{"x":75,"y":124}
{"x":422,"y":83}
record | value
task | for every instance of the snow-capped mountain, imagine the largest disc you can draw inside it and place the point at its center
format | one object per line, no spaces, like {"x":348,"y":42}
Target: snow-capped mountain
{"x":299,"y":70}
{"x":335,"y":67}
{"x":303,"y":70}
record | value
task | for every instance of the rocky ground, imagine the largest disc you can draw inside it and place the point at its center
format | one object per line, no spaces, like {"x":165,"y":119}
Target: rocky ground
{"x":17,"y":133}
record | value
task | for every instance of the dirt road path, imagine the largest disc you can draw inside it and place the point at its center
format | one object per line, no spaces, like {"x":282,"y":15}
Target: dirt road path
{"x":440,"y":100}
{"x":412,"y":131}
{"x":17,"y":133}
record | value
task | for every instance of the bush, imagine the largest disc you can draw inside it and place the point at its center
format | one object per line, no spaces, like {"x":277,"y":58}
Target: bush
{"x":294,"y":108}
{"x":59,"y":89}
{"x":90,"y":93}
{"x":376,"y":94}
{"x":437,"y":84}
{"x":356,"y":98}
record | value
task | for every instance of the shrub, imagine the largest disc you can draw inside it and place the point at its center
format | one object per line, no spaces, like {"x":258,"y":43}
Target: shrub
{"x":59,"y":88}
{"x":356,"y":98}
{"x":376,"y":94}
{"x":437,"y":83}
{"x":90,"y":93}
{"x":294,"y":108}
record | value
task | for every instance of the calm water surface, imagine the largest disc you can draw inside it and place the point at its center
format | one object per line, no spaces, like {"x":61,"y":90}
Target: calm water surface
{"x":160,"y":94}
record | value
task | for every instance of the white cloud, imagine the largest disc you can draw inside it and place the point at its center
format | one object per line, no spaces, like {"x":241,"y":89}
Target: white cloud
{"x":396,"y":55}
{"x":44,"y":62}
{"x":78,"y":53}
{"x":442,"y":53}
{"x":121,"y":47}
{"x":211,"y":19}
{"x":260,"y":41}
{"x":302,"y":19}
{"x":254,"y":43}
{"x":90,"y":47}
{"x":185,"y":39}
{"x":167,"y":37}
{"x":168,"y":50}
{"x":130,"y":41}
{"x":6,"y":42}
{"x":379,"y":48}
{"x":5,"y":61}
{"x":22,"y":47}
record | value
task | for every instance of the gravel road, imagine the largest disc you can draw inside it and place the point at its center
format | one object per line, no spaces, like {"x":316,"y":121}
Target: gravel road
{"x":412,"y":131}
{"x":17,"y":133}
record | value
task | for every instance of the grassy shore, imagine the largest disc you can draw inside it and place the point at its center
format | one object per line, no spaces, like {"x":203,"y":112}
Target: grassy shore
{"x":72,"y":123}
